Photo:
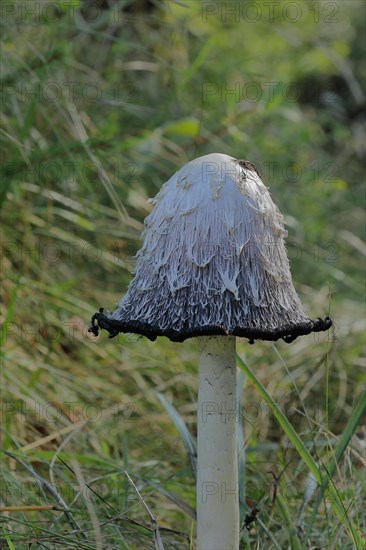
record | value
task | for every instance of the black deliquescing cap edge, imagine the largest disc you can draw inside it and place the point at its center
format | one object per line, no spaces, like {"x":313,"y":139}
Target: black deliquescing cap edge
{"x":288,"y":333}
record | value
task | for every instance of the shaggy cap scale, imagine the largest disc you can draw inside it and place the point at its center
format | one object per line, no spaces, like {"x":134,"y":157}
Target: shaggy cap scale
{"x":213,"y":261}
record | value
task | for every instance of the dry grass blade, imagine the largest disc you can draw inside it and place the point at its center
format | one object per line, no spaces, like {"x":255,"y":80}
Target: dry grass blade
{"x":97,"y":113}
{"x":187,"y":509}
{"x":91,"y":509}
{"x":50,"y":490}
{"x":32,"y":508}
{"x":157,"y":538}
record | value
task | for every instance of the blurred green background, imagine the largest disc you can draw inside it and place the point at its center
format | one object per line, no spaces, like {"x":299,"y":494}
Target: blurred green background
{"x":102,"y":101}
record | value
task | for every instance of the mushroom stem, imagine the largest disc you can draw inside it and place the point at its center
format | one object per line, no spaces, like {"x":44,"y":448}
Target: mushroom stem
{"x":217,"y":463}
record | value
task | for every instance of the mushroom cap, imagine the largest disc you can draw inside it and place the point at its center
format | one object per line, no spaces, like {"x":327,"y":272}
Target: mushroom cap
{"x":213,"y":261}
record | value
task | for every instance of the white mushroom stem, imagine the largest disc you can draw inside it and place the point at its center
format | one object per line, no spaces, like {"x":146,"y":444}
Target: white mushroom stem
{"x":217,"y":463}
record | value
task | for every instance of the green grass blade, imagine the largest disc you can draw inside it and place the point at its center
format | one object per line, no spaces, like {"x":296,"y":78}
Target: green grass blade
{"x":295,"y":544}
{"x":283,"y":422}
{"x":183,"y":430}
{"x":354,"y":420}
{"x":8,"y":540}
{"x":293,"y":437}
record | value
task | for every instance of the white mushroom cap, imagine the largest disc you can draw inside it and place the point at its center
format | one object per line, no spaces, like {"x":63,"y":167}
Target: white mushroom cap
{"x":213,"y":261}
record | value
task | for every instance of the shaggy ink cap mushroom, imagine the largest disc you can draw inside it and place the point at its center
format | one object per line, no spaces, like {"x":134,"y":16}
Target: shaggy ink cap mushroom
{"x":213,"y":261}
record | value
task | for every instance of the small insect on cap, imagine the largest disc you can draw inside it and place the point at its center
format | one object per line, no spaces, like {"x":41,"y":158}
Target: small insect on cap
{"x":213,"y":261}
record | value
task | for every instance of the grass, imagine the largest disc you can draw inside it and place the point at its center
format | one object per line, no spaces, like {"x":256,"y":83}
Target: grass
{"x":79,"y":412}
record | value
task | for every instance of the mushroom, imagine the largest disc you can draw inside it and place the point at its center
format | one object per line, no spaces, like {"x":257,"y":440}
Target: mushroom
{"x":214,"y":266}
